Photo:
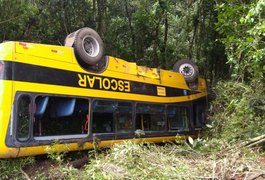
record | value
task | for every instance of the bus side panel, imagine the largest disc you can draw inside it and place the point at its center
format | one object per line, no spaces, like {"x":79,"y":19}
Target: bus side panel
{"x":44,"y":149}
{"x":6,"y":100}
{"x":67,"y":147}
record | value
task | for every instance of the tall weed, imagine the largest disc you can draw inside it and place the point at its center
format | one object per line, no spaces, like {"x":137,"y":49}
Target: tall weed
{"x":145,"y":161}
{"x":12,"y":168}
{"x":130,"y":160}
{"x":238,"y":112}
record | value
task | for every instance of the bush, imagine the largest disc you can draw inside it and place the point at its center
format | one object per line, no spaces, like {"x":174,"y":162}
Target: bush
{"x":12,"y":168}
{"x":238,"y":112}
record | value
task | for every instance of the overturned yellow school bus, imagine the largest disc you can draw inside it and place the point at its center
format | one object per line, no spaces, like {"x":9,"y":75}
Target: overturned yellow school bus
{"x":75,"y":96}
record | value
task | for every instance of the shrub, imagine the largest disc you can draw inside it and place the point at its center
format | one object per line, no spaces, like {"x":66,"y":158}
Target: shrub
{"x":12,"y":168}
{"x":238,"y":112}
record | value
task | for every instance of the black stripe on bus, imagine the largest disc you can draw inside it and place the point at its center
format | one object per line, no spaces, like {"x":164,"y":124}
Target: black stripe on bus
{"x":5,"y":70}
{"x":53,"y":76}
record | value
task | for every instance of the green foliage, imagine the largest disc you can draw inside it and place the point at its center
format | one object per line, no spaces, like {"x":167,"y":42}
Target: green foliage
{"x":238,"y":112}
{"x":14,"y":17}
{"x":191,"y":160}
{"x":54,"y":154}
{"x":242,"y":26}
{"x":158,"y":33}
{"x":11,"y":168}
{"x":153,"y":33}
{"x":131,"y":160}
{"x":43,"y":21}
{"x":63,"y":171}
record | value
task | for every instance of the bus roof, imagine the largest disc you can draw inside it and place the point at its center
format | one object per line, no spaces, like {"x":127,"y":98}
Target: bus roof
{"x":9,"y":51}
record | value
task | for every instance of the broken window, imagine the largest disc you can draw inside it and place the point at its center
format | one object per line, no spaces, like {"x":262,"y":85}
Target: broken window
{"x":112,"y":116}
{"x":60,"y":116}
{"x":178,"y":118}
{"x":123,"y":115}
{"x":150,"y":117}
{"x":23,"y":118}
{"x":103,"y":120}
{"x":199,"y":115}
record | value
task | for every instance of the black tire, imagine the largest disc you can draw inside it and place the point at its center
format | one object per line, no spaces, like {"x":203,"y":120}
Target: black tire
{"x":188,"y":68}
{"x":87,"y":44}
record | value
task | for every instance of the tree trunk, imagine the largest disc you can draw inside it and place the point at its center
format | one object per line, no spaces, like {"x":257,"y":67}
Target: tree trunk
{"x":94,"y":10}
{"x":164,"y":48}
{"x":101,"y":6}
{"x":128,"y":14}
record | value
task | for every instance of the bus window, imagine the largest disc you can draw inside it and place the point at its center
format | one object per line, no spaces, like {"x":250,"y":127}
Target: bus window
{"x":199,"y":116}
{"x":23,"y":118}
{"x":111,"y":116}
{"x":102,"y":121}
{"x":177,"y":118}
{"x":150,"y":117}
{"x":60,"y":116}
{"x":124,"y":117}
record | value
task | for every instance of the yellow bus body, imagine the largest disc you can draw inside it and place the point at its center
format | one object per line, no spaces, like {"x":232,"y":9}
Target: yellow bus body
{"x":63,"y":58}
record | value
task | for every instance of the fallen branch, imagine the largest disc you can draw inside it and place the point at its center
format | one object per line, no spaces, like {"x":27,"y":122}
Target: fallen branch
{"x":255,"y":141}
{"x":25,"y":174}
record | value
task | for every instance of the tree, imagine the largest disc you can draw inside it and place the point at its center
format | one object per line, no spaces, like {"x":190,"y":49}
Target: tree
{"x":15,"y":20}
{"x":155,"y":33}
{"x":242,"y":27}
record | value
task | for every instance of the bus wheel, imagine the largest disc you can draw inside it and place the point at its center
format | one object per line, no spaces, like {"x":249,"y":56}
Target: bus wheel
{"x":188,"y":68}
{"x":87,"y":44}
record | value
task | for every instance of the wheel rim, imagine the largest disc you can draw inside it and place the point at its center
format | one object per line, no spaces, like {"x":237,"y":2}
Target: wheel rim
{"x":187,"y":70}
{"x":90,"y":46}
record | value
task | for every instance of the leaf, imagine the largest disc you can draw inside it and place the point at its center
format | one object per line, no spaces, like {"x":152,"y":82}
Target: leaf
{"x":209,"y":126}
{"x":190,"y":140}
{"x":242,"y":20}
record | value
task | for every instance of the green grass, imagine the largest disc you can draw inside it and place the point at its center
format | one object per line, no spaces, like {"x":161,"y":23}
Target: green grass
{"x":129,"y":160}
{"x":12,"y":168}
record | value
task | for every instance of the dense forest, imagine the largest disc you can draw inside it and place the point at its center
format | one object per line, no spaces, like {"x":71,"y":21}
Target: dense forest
{"x":226,"y":38}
